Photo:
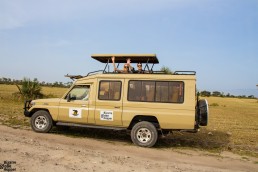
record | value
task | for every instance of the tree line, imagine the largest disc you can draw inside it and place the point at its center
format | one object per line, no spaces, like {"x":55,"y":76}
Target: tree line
{"x":221,"y":94}
{"x":28,"y":85}
{"x":10,"y":81}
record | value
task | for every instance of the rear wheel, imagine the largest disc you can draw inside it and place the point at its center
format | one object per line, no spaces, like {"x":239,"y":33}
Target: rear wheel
{"x":144,"y":134}
{"x":41,"y":121}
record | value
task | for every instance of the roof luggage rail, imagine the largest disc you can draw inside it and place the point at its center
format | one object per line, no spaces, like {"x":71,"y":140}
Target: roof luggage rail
{"x":184,"y":72}
{"x":95,"y":72}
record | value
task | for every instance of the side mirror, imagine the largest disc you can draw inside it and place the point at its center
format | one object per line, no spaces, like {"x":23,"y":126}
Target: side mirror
{"x":68,"y":98}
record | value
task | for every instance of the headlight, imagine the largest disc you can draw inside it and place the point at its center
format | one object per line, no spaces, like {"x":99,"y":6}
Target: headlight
{"x":32,"y":103}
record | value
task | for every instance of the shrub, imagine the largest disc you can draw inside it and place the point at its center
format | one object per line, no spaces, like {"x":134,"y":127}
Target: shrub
{"x":214,"y":104}
{"x":30,"y":89}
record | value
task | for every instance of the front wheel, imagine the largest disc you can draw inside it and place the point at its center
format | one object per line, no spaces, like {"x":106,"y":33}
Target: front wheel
{"x":41,"y":121}
{"x":144,"y":134}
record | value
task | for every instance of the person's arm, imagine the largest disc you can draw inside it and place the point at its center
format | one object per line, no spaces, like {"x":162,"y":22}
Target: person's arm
{"x":114,"y":64}
{"x":129,"y":64}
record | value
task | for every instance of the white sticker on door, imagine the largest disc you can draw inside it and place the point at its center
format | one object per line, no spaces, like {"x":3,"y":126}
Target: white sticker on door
{"x":106,"y":115}
{"x":75,"y":113}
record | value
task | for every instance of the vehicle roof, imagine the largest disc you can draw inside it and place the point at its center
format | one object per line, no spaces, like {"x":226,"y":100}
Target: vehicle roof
{"x":121,"y":58}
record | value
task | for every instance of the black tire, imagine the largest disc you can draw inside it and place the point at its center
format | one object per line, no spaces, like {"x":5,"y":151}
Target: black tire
{"x":203,"y":112}
{"x":41,"y":121}
{"x":144,"y":134}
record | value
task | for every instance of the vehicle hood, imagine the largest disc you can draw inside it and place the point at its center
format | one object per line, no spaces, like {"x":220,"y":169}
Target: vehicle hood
{"x":53,"y":101}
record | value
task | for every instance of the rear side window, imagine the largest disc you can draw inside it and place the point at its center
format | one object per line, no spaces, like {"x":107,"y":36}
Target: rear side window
{"x":109,"y":90}
{"x":156,"y":91}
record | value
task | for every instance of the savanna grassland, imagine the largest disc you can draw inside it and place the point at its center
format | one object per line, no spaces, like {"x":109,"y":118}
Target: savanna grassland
{"x":233,"y":124}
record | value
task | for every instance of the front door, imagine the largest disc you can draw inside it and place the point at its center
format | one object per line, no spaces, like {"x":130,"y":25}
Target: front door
{"x":75,"y":107}
{"x":109,"y":103}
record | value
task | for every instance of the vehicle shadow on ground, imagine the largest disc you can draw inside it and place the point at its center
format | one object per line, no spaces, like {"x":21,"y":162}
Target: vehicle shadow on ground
{"x":100,"y":134}
{"x":205,"y":139}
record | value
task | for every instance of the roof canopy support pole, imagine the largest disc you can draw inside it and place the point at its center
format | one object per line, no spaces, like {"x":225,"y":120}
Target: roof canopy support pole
{"x":108,"y":66}
{"x":104,"y":71}
{"x":152,"y":67}
{"x":147,"y":65}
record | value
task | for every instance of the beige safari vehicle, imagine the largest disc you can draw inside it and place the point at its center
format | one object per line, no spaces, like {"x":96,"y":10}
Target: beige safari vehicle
{"x":147,"y":104}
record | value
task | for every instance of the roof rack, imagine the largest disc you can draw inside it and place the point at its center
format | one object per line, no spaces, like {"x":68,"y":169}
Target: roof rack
{"x":72,"y":77}
{"x":95,"y":72}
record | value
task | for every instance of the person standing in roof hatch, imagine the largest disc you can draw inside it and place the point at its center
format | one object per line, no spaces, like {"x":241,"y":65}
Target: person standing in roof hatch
{"x":127,"y":66}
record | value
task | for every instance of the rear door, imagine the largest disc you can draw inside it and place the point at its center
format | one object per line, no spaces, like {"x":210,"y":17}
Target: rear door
{"x":109,"y":103}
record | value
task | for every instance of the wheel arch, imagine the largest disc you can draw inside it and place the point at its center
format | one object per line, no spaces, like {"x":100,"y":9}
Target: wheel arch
{"x":148,"y":118}
{"x":38,"y":109}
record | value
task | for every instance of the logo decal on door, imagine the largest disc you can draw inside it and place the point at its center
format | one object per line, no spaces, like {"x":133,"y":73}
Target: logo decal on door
{"x":75,"y":113}
{"x":106,"y":115}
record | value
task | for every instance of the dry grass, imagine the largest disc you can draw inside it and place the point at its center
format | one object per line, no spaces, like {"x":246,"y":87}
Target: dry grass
{"x":238,"y":118}
{"x":233,"y":124}
{"x":11,"y":106}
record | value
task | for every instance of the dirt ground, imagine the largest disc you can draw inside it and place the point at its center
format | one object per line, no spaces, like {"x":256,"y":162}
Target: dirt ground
{"x":26,"y":150}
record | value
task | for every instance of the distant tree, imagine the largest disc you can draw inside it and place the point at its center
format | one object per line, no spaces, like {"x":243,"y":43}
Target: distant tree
{"x":166,"y":70}
{"x":216,"y":93}
{"x":251,"y":97}
{"x":68,"y":84}
{"x":228,"y":95}
{"x":55,"y":84}
{"x":205,"y":93}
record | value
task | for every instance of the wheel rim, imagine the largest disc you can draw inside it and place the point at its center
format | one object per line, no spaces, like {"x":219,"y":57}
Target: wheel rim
{"x":41,"y":122}
{"x":143,"y":135}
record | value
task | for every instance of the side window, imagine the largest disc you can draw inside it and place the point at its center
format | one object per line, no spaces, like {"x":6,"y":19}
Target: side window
{"x":135,"y":90}
{"x":176,"y":92}
{"x":148,"y":91}
{"x":141,"y":91}
{"x":109,"y":90}
{"x":80,"y":92}
{"x":156,"y":91}
{"x":162,"y":92}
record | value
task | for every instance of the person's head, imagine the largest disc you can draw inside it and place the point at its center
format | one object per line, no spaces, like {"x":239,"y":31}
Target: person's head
{"x":126,"y":67}
{"x":139,"y":66}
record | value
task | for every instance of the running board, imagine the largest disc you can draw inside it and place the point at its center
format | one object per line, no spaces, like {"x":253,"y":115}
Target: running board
{"x":90,"y":126}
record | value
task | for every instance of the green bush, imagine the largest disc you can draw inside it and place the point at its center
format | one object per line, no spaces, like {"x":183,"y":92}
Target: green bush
{"x":30,"y":89}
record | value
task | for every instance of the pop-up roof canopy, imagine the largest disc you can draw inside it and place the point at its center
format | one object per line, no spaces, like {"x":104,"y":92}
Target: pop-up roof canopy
{"x":121,"y":58}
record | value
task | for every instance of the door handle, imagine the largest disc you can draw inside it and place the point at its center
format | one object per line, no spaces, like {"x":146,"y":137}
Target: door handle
{"x":117,"y":107}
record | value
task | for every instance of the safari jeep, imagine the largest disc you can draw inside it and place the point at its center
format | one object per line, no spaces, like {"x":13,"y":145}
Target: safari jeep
{"x":147,"y":104}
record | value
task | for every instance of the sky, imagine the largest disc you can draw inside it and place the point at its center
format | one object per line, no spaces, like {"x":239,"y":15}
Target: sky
{"x":216,"y":38}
